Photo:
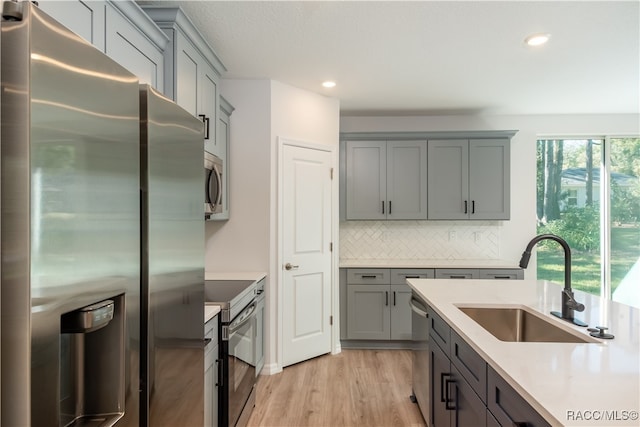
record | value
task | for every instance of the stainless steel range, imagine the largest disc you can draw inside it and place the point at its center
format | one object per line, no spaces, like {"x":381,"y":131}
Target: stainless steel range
{"x":236,"y":394}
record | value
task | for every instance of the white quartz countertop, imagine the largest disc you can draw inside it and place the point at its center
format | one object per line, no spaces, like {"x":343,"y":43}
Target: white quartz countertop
{"x":210,"y":311}
{"x":569,"y":384}
{"x":427,"y":263}
{"x":234,"y":275}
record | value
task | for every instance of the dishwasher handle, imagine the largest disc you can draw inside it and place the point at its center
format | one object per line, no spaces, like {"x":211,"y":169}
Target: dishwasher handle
{"x":419,"y":310}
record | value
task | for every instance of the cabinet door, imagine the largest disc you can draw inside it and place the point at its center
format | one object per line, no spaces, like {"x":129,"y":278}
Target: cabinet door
{"x":209,"y":385}
{"x":211,"y":373}
{"x":220,"y":147}
{"x":208,"y":106}
{"x":85,"y":18}
{"x":448,"y":179}
{"x":366,"y":179}
{"x":368,"y":312}
{"x":507,"y":406}
{"x":187,"y":63}
{"x":259,"y":336}
{"x":128,"y":46}
{"x":406,"y":180}
{"x":469,"y":410}
{"x":400,"y":312}
{"x":440,"y":374}
{"x":489,"y":173}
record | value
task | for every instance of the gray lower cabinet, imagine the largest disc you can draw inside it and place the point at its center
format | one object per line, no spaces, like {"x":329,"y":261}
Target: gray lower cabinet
{"x":454,"y":403}
{"x":457,"y":273}
{"x":211,"y":373}
{"x":480,"y":273}
{"x":378,"y":303}
{"x":120,"y":29}
{"x":507,"y":406}
{"x":469,"y":179}
{"x":465,"y":390}
{"x":386,"y":179}
{"x":501,"y":274}
{"x":368,"y":311}
{"x":374,"y":303}
{"x":260,"y":316}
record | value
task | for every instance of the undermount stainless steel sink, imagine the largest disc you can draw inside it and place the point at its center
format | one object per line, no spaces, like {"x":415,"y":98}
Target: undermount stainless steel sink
{"x":519,"y":325}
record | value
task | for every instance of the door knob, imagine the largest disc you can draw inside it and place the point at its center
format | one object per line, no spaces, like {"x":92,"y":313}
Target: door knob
{"x":289,"y":266}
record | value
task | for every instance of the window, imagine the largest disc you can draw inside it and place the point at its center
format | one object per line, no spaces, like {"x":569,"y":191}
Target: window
{"x":588,"y":192}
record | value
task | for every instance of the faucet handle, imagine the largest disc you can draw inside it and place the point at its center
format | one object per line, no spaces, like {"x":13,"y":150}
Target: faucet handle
{"x":598,"y":332}
{"x":571,"y":301}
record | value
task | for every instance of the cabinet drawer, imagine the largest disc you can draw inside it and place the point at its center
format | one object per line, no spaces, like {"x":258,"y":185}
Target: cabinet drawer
{"x":376,"y":276}
{"x":439,"y":330}
{"x":399,"y":277}
{"x":506,"y":274}
{"x":507,"y":406}
{"x":456,"y":273}
{"x":471,"y":366}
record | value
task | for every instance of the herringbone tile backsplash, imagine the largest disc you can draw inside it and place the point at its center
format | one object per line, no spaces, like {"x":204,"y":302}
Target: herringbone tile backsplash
{"x":448,"y":240}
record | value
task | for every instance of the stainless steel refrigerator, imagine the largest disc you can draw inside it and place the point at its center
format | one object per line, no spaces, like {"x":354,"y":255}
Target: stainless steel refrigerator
{"x":172,"y":174}
{"x":70,"y":228}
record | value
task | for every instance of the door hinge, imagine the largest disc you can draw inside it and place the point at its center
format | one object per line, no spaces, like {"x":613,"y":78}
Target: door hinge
{"x":330,"y":246}
{"x":331,"y":173}
{"x":331,"y":320}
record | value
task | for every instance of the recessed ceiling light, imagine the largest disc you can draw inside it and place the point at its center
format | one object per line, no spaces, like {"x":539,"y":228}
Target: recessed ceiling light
{"x":328,"y":84}
{"x":537,"y":39}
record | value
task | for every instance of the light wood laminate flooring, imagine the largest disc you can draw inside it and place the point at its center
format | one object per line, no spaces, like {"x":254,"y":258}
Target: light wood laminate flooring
{"x":354,"y":388}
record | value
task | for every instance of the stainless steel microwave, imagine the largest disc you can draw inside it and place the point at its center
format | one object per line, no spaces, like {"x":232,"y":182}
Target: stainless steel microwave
{"x":212,"y":185}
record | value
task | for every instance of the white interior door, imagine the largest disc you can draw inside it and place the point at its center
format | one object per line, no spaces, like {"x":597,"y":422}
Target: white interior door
{"x":306,"y":254}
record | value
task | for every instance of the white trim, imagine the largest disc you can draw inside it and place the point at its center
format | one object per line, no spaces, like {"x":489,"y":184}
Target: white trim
{"x":270,"y":369}
{"x":605,"y":219}
{"x":335,"y":294}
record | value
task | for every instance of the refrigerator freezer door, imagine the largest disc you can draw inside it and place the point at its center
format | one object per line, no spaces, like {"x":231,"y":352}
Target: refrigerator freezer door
{"x":70,"y":198}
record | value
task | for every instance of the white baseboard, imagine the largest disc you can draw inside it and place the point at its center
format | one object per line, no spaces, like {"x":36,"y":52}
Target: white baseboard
{"x":270,"y":369}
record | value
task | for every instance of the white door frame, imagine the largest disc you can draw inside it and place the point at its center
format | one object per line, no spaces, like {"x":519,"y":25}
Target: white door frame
{"x":278,"y":268}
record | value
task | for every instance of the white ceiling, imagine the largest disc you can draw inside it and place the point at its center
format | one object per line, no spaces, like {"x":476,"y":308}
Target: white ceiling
{"x":435,"y":57}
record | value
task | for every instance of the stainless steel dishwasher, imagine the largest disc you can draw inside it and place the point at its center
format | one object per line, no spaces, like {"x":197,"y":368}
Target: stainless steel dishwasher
{"x":420,"y":366}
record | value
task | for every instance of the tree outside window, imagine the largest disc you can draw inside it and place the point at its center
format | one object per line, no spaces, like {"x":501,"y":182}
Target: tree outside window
{"x":568,"y":204}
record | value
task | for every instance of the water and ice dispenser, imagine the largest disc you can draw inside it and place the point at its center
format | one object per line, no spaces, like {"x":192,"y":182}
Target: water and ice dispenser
{"x":92,"y":368}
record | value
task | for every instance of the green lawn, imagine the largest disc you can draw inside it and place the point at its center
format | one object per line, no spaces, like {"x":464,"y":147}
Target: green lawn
{"x":585,"y":267}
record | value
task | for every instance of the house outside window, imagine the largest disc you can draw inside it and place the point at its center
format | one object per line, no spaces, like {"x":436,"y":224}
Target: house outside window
{"x":588,"y":192}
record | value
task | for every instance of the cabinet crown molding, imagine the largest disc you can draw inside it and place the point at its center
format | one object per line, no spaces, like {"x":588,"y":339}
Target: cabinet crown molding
{"x":175,"y":18}
{"x":143,"y":21}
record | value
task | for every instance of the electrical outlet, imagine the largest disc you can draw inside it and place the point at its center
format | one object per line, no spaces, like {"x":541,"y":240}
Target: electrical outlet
{"x":477,"y":236}
{"x":452,"y":235}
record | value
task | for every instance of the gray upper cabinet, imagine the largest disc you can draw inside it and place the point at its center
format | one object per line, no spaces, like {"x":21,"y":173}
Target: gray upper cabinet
{"x":221,"y":148}
{"x":386,"y":180}
{"x":192,"y":68}
{"x":135,"y":42}
{"x":85,"y":18}
{"x":469,"y":179}
{"x":121,"y":30}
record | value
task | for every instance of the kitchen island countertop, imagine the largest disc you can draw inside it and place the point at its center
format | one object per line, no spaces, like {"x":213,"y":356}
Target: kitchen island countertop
{"x":569,"y":384}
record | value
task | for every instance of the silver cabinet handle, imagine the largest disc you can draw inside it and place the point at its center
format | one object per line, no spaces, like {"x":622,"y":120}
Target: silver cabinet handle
{"x":289,"y":266}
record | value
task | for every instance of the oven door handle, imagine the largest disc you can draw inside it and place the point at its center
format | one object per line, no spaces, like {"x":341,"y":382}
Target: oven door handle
{"x":246,"y":316}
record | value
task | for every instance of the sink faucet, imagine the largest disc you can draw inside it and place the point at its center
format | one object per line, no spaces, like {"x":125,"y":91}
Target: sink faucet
{"x":569,"y":304}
